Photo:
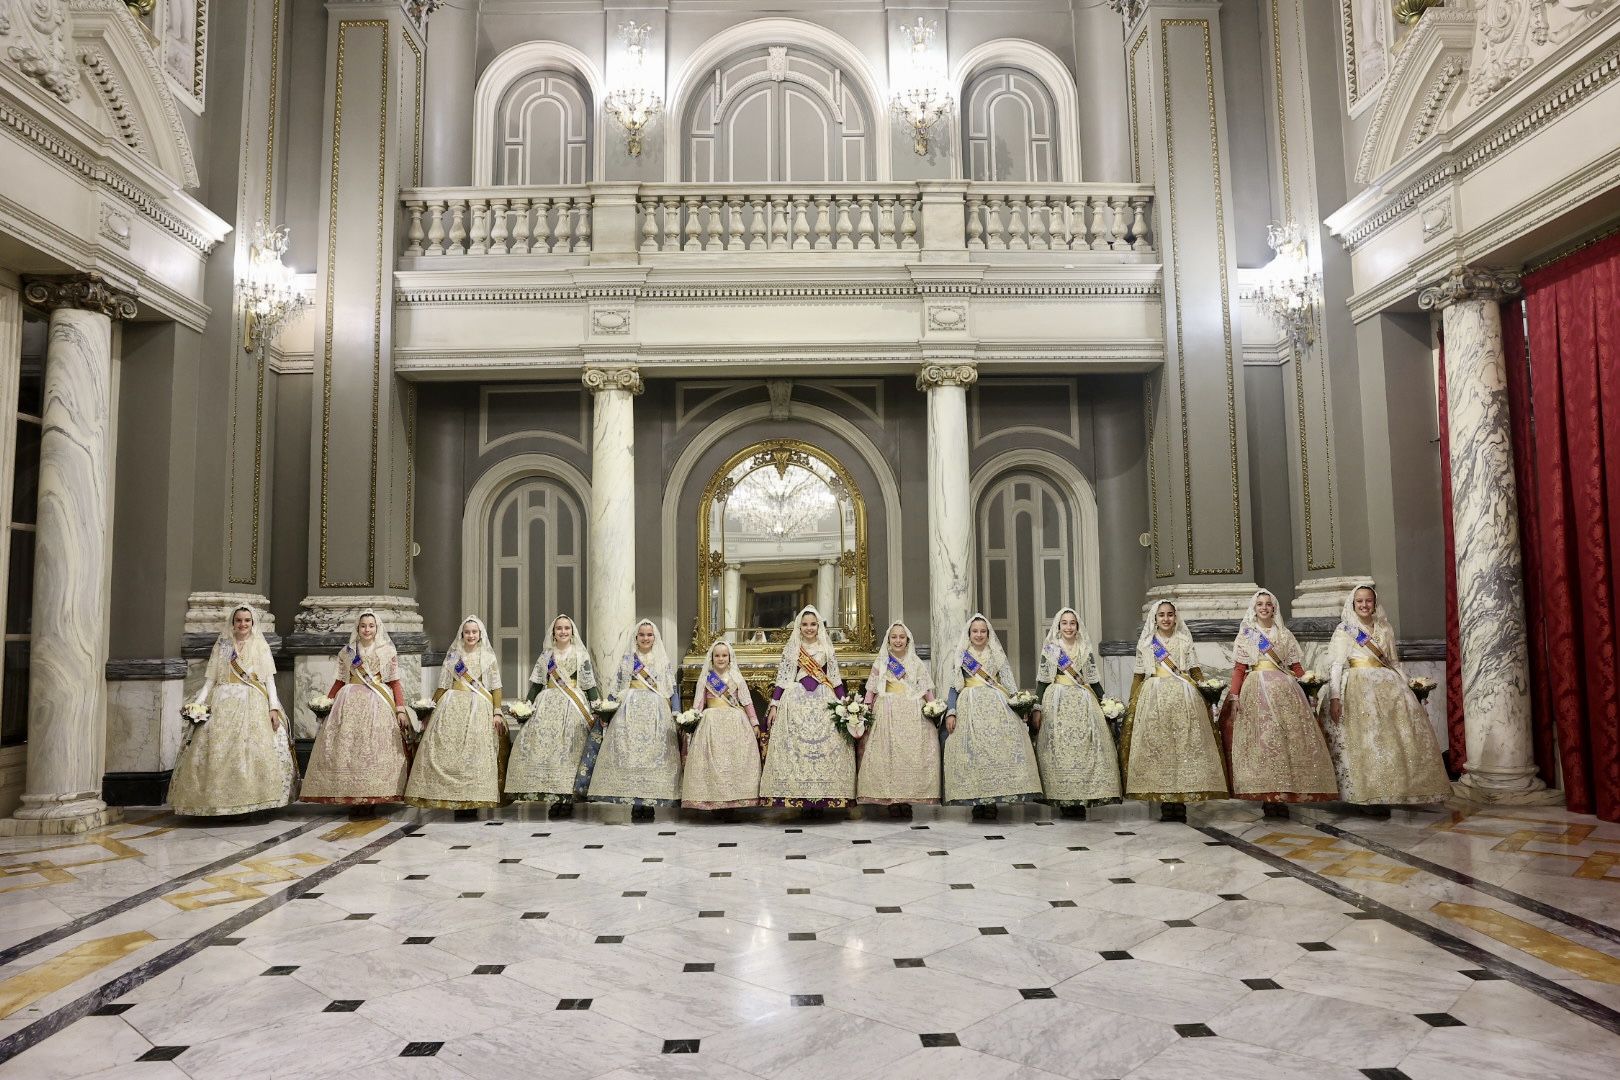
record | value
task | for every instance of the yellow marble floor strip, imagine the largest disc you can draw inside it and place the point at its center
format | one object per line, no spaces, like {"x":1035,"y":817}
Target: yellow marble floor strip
{"x":1542,"y":944}
{"x":353,"y":830}
{"x":23,"y":990}
{"x":238,"y":885}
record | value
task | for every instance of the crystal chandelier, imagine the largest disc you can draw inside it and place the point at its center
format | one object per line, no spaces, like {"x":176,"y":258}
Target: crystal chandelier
{"x":1290,"y":288}
{"x":269,"y":294}
{"x":634,"y":102}
{"x":780,"y":503}
{"x":924,"y":97}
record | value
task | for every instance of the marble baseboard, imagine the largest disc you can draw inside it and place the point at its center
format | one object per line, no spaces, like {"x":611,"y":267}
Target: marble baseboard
{"x":160,"y":667}
{"x":143,"y":724}
{"x":61,"y":826}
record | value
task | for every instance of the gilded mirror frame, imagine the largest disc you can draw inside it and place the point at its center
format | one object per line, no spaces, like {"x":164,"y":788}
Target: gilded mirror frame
{"x":853,"y":564}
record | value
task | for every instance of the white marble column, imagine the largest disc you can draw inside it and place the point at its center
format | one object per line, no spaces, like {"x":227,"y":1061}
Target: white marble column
{"x":1485,"y":518}
{"x":451,"y":80}
{"x":731,"y":599}
{"x":67,"y":702}
{"x":610,"y":564}
{"x":950,"y":515}
{"x":826,"y":589}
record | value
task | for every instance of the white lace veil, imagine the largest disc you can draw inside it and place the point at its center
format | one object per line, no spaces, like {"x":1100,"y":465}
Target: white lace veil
{"x":821,"y":650}
{"x":482,"y":664}
{"x":656,"y":662}
{"x":994,"y":660}
{"x":1180,"y":640}
{"x":732,"y":676}
{"x":1381,"y":632}
{"x":254,"y":654}
{"x":918,"y":679}
{"x":576,"y":645}
{"x":1082,"y":657}
{"x":1246,"y":648}
{"x":381,"y":659}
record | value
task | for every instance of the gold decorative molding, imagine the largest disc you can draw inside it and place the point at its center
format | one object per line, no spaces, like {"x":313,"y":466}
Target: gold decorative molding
{"x":88,"y":292}
{"x":1136,"y":148}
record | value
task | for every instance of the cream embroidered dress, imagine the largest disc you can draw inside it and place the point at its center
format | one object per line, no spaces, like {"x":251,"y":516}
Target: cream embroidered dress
{"x":235,"y":763}
{"x":1384,"y":749}
{"x":640,"y":760}
{"x":360,"y":755}
{"x":458,"y":764}
{"x":1079,"y":764}
{"x":723,"y":758}
{"x":809,"y":763}
{"x":900,"y":761}
{"x":1168,"y":741}
{"x":555,"y":750}
{"x":988,"y":759}
{"x":1273,"y":740}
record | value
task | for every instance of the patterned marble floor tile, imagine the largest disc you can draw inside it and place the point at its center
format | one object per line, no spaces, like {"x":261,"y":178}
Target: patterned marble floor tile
{"x":1087,"y":928}
{"x":1218,"y":952}
{"x":91,"y":1045}
{"x":1227,"y":1059}
{"x":1487,"y":1055}
{"x":1153,"y":991}
{"x":1323,"y":1028}
{"x":1375,"y":980}
{"x":379,"y":972}
{"x":277,"y":1047}
{"x":564,"y":1045}
{"x":1500,"y":1006}
{"x":899,"y":935}
{"x":694,"y":1005}
{"x":812,"y":1044}
{"x":1014,"y":961}
{"x":1069,"y":1039}
{"x":1251,"y":917}
{"x":454,"y":1008}
{"x":920,"y":999}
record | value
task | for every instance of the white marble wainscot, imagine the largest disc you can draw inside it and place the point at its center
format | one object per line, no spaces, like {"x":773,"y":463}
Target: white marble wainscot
{"x":67,"y":701}
{"x":144,"y":729}
{"x":950,"y":517}
{"x":322,"y":628}
{"x":1485,"y":518}
{"x":611,"y":557}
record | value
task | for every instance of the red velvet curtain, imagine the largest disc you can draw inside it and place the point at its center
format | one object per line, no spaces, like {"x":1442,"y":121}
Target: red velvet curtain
{"x":1458,"y":746}
{"x":1567,"y":457}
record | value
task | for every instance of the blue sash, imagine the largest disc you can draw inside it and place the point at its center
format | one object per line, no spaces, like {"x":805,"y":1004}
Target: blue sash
{"x":896,"y":669}
{"x":717,"y":686}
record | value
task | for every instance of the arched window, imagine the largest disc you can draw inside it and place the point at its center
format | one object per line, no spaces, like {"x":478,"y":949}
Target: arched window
{"x":543,"y":130}
{"x":777,"y":115}
{"x":1026,"y":559}
{"x":534,"y":541}
{"x":1009,"y":127}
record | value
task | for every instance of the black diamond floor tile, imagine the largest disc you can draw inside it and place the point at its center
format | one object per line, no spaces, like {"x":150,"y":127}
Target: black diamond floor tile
{"x":416,"y":877}
{"x":1194,"y":1031}
{"x":418,"y":941}
{"x":1038,"y":992}
{"x":961,"y":885}
{"x":653,"y":858}
{"x":711,"y":914}
{"x":593,"y":847}
{"x":421,"y":1049}
{"x":1384,"y":1074}
{"x":806,"y":999}
{"x":535,"y":914}
{"x":1440,"y":1020}
{"x":506,"y":861}
{"x":798,"y":892}
{"x":888,"y":911}
{"x":1023,"y":866}
{"x":726,"y":845}
{"x":460,"y":847}
{"x":163,"y":1053}
{"x":567,"y":877}
{"x":1262,"y":984}
{"x":801,"y":935}
{"x":908,"y":962}
{"x":1316,"y":946}
{"x":1171,"y":861}
{"x":720,"y":873}
{"x":1231,"y":896}
{"x":471,"y":895}
{"x":539,"y":834}
{"x":860,"y":841}
{"x":489,"y":969}
{"x":634,"y":892}
{"x":359,"y":916}
{"x":574,"y":1004}
{"x":992,"y":931}
{"x":698,"y":967}
{"x":344,"y":1005}
{"x":998,"y":836}
{"x":939,"y":853}
{"x":1082,"y":848}
{"x":681,"y":1046}
{"x":1123,"y":880}
{"x":1480,"y":974}
{"x":870,"y":870}
{"x":1179,"y":923}
{"x":1062,"y":903}
{"x":1115,"y":954}
{"x":947,"y":1038}
{"x":280,"y":969}
{"x":795,"y":858}
{"x":610,"y":939}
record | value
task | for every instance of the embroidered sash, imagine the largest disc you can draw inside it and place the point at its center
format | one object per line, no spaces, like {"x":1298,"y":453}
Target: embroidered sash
{"x":471,"y":681}
{"x":973,"y":669}
{"x":247,"y":676}
{"x":1162,"y":655}
{"x":1264,"y":644}
{"x":556,"y":678}
{"x":1365,"y":640}
{"x":639,"y":673}
{"x":357,"y":668}
{"x":813,"y":671}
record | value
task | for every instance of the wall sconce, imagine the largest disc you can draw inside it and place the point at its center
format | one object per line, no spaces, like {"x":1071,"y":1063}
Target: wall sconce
{"x":269,"y":295}
{"x":924,"y":97}
{"x":1290,"y":288}
{"x":634,"y":103}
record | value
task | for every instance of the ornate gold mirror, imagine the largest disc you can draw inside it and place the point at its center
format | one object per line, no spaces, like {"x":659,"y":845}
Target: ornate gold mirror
{"x":781,"y":525}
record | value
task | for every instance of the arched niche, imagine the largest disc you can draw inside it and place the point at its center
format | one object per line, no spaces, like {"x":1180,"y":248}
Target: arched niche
{"x":508,"y":69}
{"x":1039,"y":63}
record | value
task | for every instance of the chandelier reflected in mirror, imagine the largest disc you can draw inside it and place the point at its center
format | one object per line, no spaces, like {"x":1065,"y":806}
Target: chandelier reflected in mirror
{"x":782,"y":503}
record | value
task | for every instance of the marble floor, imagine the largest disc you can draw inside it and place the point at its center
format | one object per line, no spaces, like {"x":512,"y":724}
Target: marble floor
{"x":1437,"y":943}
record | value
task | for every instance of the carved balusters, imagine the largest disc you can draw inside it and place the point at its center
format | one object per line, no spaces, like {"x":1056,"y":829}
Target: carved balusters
{"x":690,"y":241}
{"x":497,"y":226}
{"x":975,"y":227}
{"x":886,"y":223}
{"x":1139,"y":224}
{"x":781,"y":208}
{"x":414,"y":235}
{"x":1101,"y":224}
{"x":582,"y":234}
{"x":801,"y":223}
{"x":1078,"y":224}
{"x":435,"y":233}
{"x":1017,"y":207}
{"x":758,"y":222}
{"x":908,"y":224}
{"x":1121,"y":225}
{"x":458,"y":227}
{"x":649,"y":226}
{"x":479,"y":234}
{"x":522,"y":230}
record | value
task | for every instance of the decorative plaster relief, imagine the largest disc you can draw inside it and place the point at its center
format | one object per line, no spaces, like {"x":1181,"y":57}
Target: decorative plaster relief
{"x":114,"y":226}
{"x":610,"y":321}
{"x":948,"y":317}
{"x":1436,"y":218}
{"x":1513,"y":34}
{"x":39,"y":48}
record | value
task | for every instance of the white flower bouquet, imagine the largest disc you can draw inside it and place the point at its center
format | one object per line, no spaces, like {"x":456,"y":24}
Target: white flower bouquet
{"x":1112,"y":708}
{"x":687,"y":720}
{"x":1023,"y":703}
{"x":934,"y":710}
{"x":850,"y":715}
{"x":1421,"y":687}
{"x":518,"y":710}
{"x":605,"y":706}
{"x":1311,"y":682}
{"x":1212,"y":688}
{"x":423,"y":707}
{"x":194,"y":712}
{"x":320,"y":705}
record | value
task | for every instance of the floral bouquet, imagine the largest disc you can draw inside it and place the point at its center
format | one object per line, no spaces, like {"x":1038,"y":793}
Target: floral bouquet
{"x":1421,"y":688}
{"x":687,"y":720}
{"x":1212,"y":689}
{"x":423,"y":708}
{"x":1023,"y":703}
{"x":605,"y":707}
{"x":1112,"y":708}
{"x":1311,"y":682}
{"x":934,"y":710}
{"x":849,"y":716}
{"x":518,"y":710}
{"x":320,"y":705}
{"x":194,"y":712}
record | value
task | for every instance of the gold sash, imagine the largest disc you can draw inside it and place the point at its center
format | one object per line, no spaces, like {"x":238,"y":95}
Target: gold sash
{"x":248,"y":678}
{"x":366,"y":679}
{"x":895,"y":686}
{"x":560,"y":681}
{"x":1265,"y":663}
{"x":973,"y":680}
{"x":1363,"y":662}
{"x":1064,"y":678}
{"x":1163,"y":670}
{"x":467,"y":682}
{"x":812,"y":668}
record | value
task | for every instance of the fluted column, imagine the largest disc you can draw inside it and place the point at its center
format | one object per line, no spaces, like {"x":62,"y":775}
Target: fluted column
{"x":67,"y":702}
{"x":610,"y":565}
{"x":731,"y":600}
{"x":1501,"y":763}
{"x":950,"y":516}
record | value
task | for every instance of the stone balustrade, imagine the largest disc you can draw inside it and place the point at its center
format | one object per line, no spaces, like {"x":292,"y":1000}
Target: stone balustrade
{"x":629,"y":222}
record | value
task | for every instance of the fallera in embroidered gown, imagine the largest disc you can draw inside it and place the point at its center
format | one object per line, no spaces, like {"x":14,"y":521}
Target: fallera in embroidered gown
{"x":900,"y":761}
{"x":237,"y":762}
{"x":988,"y":758}
{"x":723,"y":757}
{"x":1168,"y":741}
{"x":640,"y":760}
{"x":462,"y":755}
{"x":361,"y":756}
{"x":808,"y":762}
{"x":555,"y":751}
{"x":1075,"y":748}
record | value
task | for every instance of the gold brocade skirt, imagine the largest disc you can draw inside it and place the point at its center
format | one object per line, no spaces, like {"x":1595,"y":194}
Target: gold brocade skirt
{"x":722,"y":762}
{"x":640,"y":760}
{"x":1277,"y":750}
{"x":808,"y":762}
{"x":359,"y":755}
{"x":1075,"y":749}
{"x":901,"y":761}
{"x":458,"y":763}
{"x":988,"y":758}
{"x":1169,"y":745}
{"x":546,"y":755}
{"x":1384,"y":750}
{"x":234,"y":763}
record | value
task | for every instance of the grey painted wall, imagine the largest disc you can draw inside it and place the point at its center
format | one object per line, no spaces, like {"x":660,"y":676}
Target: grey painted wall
{"x":1249,"y":127}
{"x":289,"y":498}
{"x":1270,"y":485}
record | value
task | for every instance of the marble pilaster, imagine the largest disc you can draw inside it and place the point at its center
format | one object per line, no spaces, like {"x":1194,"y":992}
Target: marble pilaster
{"x":610,"y":576}
{"x":731,"y":599}
{"x":67,"y":704}
{"x":322,"y":627}
{"x":1485,"y":519}
{"x":451,"y":81}
{"x":827,"y":588}
{"x":950,"y":510}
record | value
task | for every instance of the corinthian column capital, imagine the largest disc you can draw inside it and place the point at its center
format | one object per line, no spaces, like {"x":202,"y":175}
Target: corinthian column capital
{"x":89,"y":292}
{"x":1469,"y":284}
{"x":935,"y":376}
{"x":597,"y":379}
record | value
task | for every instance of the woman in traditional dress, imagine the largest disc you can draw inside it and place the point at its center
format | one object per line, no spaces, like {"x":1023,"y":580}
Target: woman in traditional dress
{"x":361,"y":757}
{"x":722,"y":760}
{"x":458,"y":764}
{"x":988,"y":756}
{"x":1384,"y":750}
{"x":809,"y":763}
{"x":1079,"y":764}
{"x":1168,"y":741}
{"x":555,"y":751}
{"x":1273,"y":741}
{"x":640,"y":760}
{"x":240,"y":760}
{"x":900,"y":758}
